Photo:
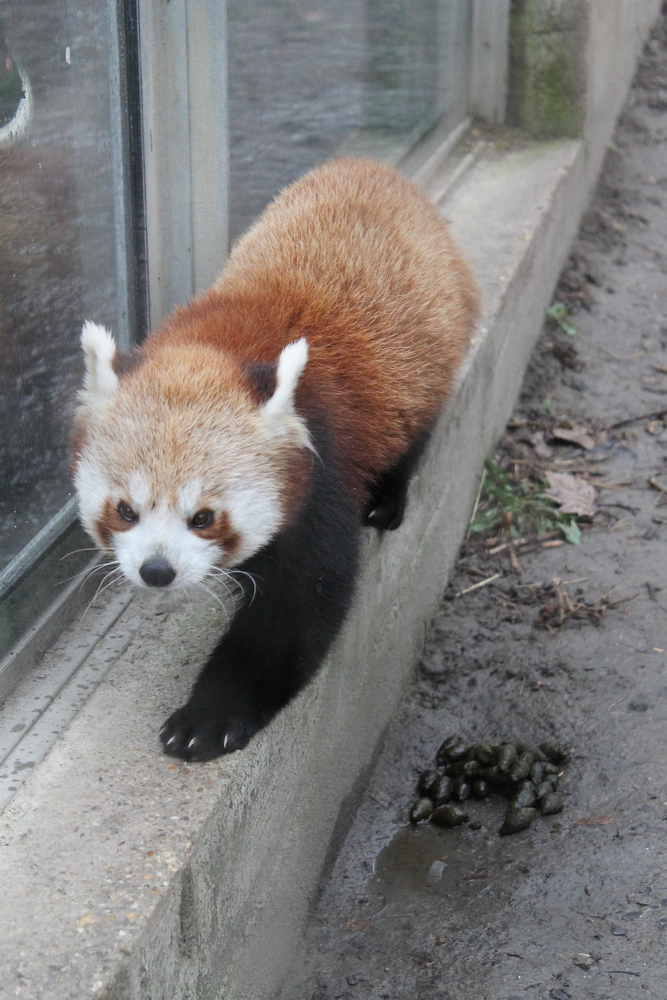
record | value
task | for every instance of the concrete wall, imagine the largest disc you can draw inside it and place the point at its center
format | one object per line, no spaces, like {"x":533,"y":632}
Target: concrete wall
{"x":571,"y":61}
{"x":129,"y":876}
{"x":548,"y":57}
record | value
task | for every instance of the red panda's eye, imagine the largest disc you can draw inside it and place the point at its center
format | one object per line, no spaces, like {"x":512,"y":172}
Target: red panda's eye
{"x":202,"y":519}
{"x":127,"y":513}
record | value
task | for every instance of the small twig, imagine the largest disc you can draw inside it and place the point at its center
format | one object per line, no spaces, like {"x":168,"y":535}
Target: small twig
{"x":633,"y":420}
{"x":654,"y":484}
{"x":659,"y":368}
{"x":621,"y":484}
{"x":516,"y":565}
{"x":476,"y":586}
{"x":615,"y":604}
{"x":505,"y":601}
{"x":620,"y":972}
{"x":615,"y":703}
{"x":506,"y":545}
{"x":523,"y":681}
{"x":471,"y":570}
{"x":537,"y":540}
{"x":479,"y":493}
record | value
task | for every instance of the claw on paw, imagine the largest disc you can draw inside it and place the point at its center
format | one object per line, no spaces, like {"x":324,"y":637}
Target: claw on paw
{"x":195,"y":735}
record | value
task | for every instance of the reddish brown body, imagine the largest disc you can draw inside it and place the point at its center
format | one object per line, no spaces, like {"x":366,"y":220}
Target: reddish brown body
{"x":356,"y":260}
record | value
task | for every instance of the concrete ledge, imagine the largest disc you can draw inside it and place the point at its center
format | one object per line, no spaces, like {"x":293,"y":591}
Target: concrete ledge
{"x":128,"y":876}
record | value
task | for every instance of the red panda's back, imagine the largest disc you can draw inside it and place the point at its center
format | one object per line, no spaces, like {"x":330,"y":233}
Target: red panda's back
{"x":357,"y":260}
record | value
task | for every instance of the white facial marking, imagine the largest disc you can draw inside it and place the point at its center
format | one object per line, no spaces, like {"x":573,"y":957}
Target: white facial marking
{"x":189,"y":497}
{"x":255,"y":513}
{"x":139,"y":490}
{"x":92,"y":492}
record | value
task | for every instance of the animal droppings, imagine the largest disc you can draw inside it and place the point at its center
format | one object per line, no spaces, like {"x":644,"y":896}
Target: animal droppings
{"x":421,"y":811}
{"x":450,"y":816}
{"x":526,"y":776}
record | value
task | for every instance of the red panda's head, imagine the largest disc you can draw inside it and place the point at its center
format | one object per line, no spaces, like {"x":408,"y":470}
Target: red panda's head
{"x":179,"y":466}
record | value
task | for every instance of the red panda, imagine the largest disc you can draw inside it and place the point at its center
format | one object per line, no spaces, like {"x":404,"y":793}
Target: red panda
{"x":263,"y":424}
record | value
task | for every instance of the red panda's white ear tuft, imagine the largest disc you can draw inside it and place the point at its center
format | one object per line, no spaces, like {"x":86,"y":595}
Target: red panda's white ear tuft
{"x":278,"y":411}
{"x":99,"y":348}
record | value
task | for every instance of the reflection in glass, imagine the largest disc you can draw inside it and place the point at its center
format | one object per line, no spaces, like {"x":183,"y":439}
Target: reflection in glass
{"x":58,"y":245}
{"x":309,"y":80}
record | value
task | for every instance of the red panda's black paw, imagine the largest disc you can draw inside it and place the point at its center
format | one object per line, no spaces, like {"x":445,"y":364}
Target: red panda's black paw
{"x":387,"y":515}
{"x":192,"y":736}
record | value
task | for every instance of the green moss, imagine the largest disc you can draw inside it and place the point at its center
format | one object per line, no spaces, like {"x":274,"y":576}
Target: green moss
{"x":546,"y":83}
{"x":552,"y":104}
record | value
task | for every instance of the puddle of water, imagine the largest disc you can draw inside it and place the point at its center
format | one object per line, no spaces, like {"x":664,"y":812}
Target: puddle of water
{"x":426,"y":861}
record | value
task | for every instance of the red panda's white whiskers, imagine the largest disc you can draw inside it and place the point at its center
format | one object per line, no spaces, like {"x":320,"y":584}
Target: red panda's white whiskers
{"x":116,"y":575}
{"x":215,"y":597}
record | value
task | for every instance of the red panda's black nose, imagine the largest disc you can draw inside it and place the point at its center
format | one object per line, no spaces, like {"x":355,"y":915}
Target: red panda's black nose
{"x":156,"y":572}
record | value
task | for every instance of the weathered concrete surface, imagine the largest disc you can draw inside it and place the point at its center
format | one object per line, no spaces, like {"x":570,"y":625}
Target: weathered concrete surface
{"x":548,"y":57}
{"x":570,"y":62}
{"x":130,"y":876}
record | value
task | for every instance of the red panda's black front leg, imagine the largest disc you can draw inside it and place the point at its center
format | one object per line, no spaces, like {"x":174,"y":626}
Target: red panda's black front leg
{"x":385,"y":508}
{"x":277,"y":640}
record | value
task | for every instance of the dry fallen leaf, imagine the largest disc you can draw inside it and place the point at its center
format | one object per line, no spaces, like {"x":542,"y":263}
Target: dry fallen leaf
{"x":595,"y":821}
{"x":574,"y":495}
{"x":357,"y":925}
{"x":542,"y":449}
{"x":575,"y":435}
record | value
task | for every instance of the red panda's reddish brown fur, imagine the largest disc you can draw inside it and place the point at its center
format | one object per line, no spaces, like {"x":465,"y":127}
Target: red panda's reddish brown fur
{"x":356,"y":260}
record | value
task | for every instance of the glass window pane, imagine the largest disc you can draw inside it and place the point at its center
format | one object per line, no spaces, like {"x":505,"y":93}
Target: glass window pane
{"x":309,"y":80}
{"x":62,"y":256}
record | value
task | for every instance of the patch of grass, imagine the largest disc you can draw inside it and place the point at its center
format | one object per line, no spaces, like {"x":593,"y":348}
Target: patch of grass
{"x":558,"y":312}
{"x":520,"y":507}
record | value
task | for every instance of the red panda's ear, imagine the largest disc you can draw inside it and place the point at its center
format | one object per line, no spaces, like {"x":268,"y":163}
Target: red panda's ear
{"x":278,"y":411}
{"x":100,"y":380}
{"x":263,"y":377}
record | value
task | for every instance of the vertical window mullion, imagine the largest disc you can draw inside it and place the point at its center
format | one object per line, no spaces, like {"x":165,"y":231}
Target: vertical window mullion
{"x":209,"y":140}
{"x":164,"y":85}
{"x":183,"y":72}
{"x":490,"y":59}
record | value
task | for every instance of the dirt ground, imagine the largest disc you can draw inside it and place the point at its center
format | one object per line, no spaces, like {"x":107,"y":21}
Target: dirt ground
{"x":576,"y":906}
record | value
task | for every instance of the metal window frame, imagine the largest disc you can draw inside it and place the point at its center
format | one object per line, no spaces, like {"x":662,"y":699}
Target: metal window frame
{"x":490,"y":60}
{"x":183,"y":55}
{"x":170,"y":158}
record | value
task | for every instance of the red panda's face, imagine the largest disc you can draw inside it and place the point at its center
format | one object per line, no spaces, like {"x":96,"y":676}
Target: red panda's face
{"x":178,"y":470}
